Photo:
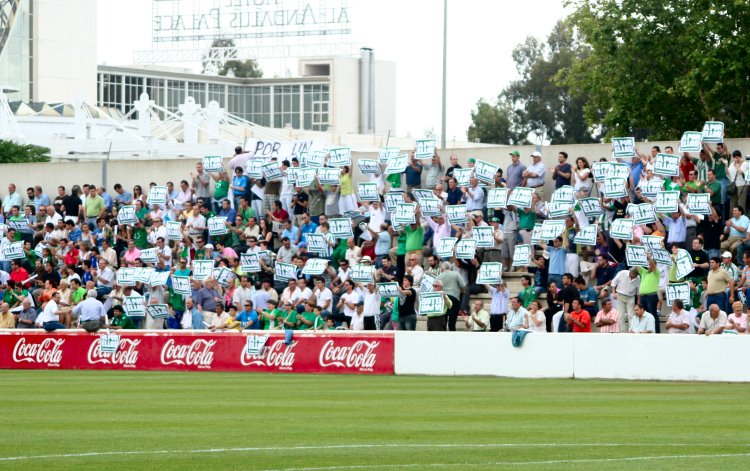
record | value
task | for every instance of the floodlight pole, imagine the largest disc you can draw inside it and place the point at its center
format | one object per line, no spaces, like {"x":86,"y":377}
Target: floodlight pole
{"x":445,"y":68}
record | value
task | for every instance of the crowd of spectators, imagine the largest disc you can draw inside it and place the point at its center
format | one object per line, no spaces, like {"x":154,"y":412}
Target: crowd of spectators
{"x":72,"y":272}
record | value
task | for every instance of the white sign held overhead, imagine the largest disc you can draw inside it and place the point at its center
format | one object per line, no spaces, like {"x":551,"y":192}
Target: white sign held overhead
{"x":623,"y":147}
{"x":397,"y":164}
{"x":368,"y":166}
{"x":485,"y":171}
{"x":692,"y":141}
{"x":368,"y":191}
{"x":713,"y":132}
{"x":424,"y":149}
{"x":520,"y":197}
{"x":683,"y":263}
{"x":621,"y":229}
{"x":386,"y":153}
{"x":636,"y":256}
{"x":497,"y":198}
{"x":667,"y":165}
{"x":157,"y":195}
{"x":679,"y":291}
{"x":522,"y":255}
{"x":339,"y":156}
{"x":213,"y":163}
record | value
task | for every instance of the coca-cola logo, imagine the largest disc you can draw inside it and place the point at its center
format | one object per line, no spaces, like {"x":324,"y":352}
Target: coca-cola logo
{"x":199,"y":353}
{"x":360,"y":355}
{"x":48,"y":351}
{"x":277,"y":355}
{"x":126,"y":354}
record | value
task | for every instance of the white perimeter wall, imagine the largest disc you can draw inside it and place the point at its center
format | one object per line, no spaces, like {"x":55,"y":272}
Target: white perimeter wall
{"x":605,"y":356}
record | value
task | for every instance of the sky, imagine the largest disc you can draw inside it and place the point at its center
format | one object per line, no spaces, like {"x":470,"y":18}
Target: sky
{"x":481,"y":37}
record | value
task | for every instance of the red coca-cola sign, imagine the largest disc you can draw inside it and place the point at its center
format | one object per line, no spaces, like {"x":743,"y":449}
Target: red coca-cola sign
{"x":308,"y":352}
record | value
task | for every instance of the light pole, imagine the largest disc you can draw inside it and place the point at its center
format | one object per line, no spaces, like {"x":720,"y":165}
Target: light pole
{"x":445,"y":68}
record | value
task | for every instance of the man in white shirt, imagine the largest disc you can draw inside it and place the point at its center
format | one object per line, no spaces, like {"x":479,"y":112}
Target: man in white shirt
{"x":49,"y":320}
{"x":13,"y":198}
{"x":371,"y":309}
{"x":679,"y":319}
{"x":414,"y":269}
{"x":625,"y":286}
{"x":52,"y":216}
{"x":533,"y":176}
{"x":163,"y":252}
{"x":243,"y":292}
{"x":323,"y":297}
{"x":642,"y":322}
{"x":301,"y":294}
{"x":474,"y":196}
{"x":104,"y":277}
{"x":156,"y":231}
{"x":713,"y":321}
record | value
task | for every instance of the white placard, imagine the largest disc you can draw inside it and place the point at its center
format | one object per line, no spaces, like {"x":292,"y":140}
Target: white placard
{"x":126,"y":215}
{"x":636,"y":256}
{"x":667,"y":201}
{"x":305,"y":176}
{"x":158,"y":311}
{"x":316,"y":159}
{"x":615,"y":187}
{"x":425,"y":285}
{"x":388,"y":290}
{"x":393,"y":199}
{"x":586,"y":236}
{"x":339,"y":156}
{"x":285,"y":271}
{"x":135,"y":306}
{"x":661,"y":257}
{"x":463,"y":176}
{"x":142,"y":274}
{"x":691,"y":141}
{"x":181,"y":285}
{"x":522,"y":255}
{"x":329,"y":176}
{"x":157,"y":195}
{"x":397,"y":164}
{"x":341,"y":228}
{"x":484,"y":235}
{"x":368,"y":191}
{"x":255,"y":168}
{"x":618,"y":170}
{"x":684,"y":264}
{"x":272,"y":171}
{"x":213,"y":163}
{"x":551,"y":229}
{"x":559,"y":209}
{"x":643,"y":213}
{"x":445,"y":247}
{"x":485,"y":171}
{"x":159,"y":278}
{"x":599,"y":170}
{"x":217,"y":226}
{"x":497,"y":198}
{"x":679,"y":291}
{"x":149,"y":256}
{"x":520,"y":197}
{"x":174,"y":230}
{"x":431,"y":303}
{"x":490,"y":273}
{"x":456,"y":214}
{"x":652,"y":242}
{"x":623,"y":147}
{"x":368,"y":166}
{"x":315,"y":266}
{"x":591,"y":207}
{"x":361,"y":273}
{"x":564,"y":194}
{"x":699,"y":203}
{"x":224,"y":276}
{"x":667,"y":165}
{"x":202,"y":269}
{"x":108,"y":343}
{"x":254,"y":344}
{"x":713,"y":132}
{"x":405,"y":213}
{"x":13,"y":251}
{"x":431,"y":207}
{"x":424,"y":149}
{"x":621,"y":229}
{"x":126,"y":276}
{"x":466,"y":249}
{"x":649,"y":188}
{"x":386,"y":153}
{"x":250,"y":263}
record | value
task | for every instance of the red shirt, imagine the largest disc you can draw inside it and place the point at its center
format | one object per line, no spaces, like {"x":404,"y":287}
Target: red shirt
{"x":18,"y":275}
{"x":581,"y":316}
{"x":71,"y":258}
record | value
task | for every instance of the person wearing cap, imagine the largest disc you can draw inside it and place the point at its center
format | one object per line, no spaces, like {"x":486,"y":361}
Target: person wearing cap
{"x":736,"y":230}
{"x":90,"y":312}
{"x":514,"y":173}
{"x":730,"y":267}
{"x":563,"y":172}
{"x":533,"y":176}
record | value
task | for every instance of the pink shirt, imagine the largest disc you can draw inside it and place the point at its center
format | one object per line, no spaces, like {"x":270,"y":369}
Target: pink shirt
{"x":131,"y":255}
{"x":740,"y":321}
{"x":611,"y":328}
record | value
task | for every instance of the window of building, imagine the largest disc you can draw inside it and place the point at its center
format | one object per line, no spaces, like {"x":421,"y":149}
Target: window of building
{"x":316,"y":107}
{"x":286,"y":106}
{"x":175,"y":95}
{"x":216,"y":92}
{"x":133,"y":90}
{"x":110,"y":87}
{"x":197,"y":90}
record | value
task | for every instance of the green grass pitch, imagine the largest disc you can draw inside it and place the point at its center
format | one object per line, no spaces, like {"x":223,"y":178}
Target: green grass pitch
{"x":155,"y":421}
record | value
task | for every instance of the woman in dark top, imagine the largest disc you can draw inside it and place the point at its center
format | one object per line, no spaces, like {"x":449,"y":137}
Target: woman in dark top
{"x":407,"y":315}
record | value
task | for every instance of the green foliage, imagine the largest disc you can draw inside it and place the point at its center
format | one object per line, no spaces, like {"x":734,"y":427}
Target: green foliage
{"x":244,"y":69}
{"x":210,"y":66}
{"x":663,"y":68}
{"x":542,"y":106}
{"x":12,"y":153}
{"x":493,"y":124}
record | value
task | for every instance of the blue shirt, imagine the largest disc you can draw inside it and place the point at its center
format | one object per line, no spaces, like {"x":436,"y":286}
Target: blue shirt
{"x":589,"y":294}
{"x":107,"y":200}
{"x":125,"y":197}
{"x":455,"y":195}
{"x":245,"y":317}
{"x":243,"y":182}
{"x":413,"y":178}
{"x":74,"y":235}
{"x":41,"y":200}
{"x":197,"y":319}
{"x":556,"y":261}
{"x":635,"y":171}
{"x":307,"y":229}
{"x":291,"y":233}
{"x":743,"y":221}
{"x":230,"y":214}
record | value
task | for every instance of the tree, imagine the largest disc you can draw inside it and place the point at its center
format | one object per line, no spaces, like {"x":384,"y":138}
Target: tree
{"x":664,"y":67}
{"x":245,"y":69}
{"x":211,"y":63}
{"x":12,"y":153}
{"x":493,"y":124}
{"x":541,"y":104}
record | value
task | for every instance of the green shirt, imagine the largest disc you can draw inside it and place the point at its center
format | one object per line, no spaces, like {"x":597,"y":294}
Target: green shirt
{"x":401,"y":249}
{"x":78,"y":295}
{"x":122,"y":321}
{"x":94,"y":206}
{"x":177,"y":301}
{"x":246,"y":213}
{"x":290,"y":317}
{"x":526,"y":220}
{"x":221,"y":190}
{"x":140,"y":238}
{"x":310,"y":316}
{"x":649,"y":281}
{"x":267,"y":322}
{"x":527,"y":295}
{"x":720,"y":166}
{"x":414,"y":238}
{"x":716,"y":188}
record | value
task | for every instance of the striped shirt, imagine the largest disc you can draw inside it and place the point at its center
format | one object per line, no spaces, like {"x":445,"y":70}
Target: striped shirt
{"x":611,"y":328}
{"x":499,"y":303}
{"x":733,"y":271}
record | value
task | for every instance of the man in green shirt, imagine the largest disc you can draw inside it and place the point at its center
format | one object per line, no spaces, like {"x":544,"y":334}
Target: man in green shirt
{"x":713,"y":187}
{"x":140,"y":236}
{"x":649,"y":290}
{"x":527,"y":294}
{"x":306,"y":319}
{"x":94,"y":206}
{"x":414,"y":241}
{"x":120,"y":320}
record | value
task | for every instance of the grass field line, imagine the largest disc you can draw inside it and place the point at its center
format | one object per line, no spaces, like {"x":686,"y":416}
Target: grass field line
{"x":369,"y":445}
{"x":516,"y":463}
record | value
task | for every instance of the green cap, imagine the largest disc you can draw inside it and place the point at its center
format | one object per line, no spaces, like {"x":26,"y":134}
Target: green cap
{"x":472,"y":160}
{"x":516,"y":153}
